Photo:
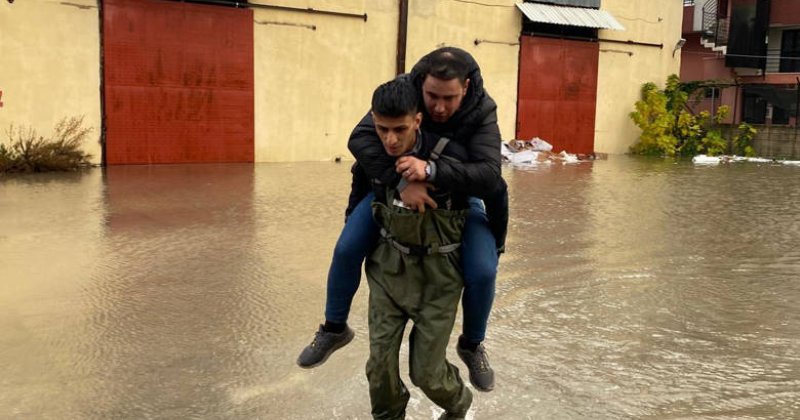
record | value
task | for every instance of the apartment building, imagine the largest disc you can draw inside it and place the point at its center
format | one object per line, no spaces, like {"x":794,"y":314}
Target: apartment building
{"x":749,"y":50}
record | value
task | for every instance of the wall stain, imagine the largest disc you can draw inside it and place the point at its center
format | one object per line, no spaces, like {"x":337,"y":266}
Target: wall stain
{"x":299,"y":25}
{"x":79,"y":6}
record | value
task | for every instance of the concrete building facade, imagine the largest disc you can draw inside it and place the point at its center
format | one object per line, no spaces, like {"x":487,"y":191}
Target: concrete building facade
{"x":751,"y":48}
{"x":315,"y":64}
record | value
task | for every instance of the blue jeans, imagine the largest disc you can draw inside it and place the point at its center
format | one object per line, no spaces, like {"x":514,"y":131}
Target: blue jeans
{"x":478,"y":261}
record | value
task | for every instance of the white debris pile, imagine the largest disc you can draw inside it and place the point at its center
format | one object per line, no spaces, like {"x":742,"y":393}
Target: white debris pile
{"x":533,"y":152}
{"x":716,"y":160}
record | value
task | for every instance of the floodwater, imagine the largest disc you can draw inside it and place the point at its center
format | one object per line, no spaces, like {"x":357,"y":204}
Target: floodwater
{"x":631,"y":289}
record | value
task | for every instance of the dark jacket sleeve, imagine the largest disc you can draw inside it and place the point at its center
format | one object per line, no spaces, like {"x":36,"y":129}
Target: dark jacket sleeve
{"x":359,"y":188}
{"x":480,"y":174}
{"x":366,"y":147}
{"x":497,"y":214}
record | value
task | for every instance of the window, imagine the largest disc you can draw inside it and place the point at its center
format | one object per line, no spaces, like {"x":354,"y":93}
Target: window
{"x":790,"y":51}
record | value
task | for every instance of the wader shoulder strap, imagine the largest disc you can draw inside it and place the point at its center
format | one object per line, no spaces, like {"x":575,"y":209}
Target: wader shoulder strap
{"x":416,"y":250}
{"x":439,"y":148}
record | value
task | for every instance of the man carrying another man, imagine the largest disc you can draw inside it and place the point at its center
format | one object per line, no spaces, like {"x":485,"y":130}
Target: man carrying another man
{"x":414,"y":271}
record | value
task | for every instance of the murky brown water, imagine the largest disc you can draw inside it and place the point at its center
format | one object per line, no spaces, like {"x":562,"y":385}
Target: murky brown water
{"x":631,"y":289}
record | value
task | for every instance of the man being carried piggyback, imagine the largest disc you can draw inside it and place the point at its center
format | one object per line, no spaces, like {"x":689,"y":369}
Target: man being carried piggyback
{"x":454,"y":105}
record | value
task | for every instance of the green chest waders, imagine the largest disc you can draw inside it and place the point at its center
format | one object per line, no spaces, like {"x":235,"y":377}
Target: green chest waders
{"x":414,"y":273}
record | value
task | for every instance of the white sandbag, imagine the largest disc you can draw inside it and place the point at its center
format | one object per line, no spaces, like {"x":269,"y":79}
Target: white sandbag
{"x":706,"y":160}
{"x":540,"y":145}
{"x":758,"y":160}
{"x":525,"y":156}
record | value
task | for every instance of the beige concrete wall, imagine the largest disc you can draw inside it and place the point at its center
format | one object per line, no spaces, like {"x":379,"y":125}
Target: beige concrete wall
{"x":436,"y":23}
{"x":50,"y":66}
{"x":624,"y":68}
{"x":313,"y":86}
{"x":312,"y":122}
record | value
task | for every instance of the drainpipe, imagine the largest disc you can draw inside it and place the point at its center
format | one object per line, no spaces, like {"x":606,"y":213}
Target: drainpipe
{"x":102,"y":87}
{"x":246,"y":3}
{"x":629,"y":42}
{"x":402,"y":35}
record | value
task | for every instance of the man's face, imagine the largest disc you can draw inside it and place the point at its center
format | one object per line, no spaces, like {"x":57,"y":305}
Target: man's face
{"x":398,"y":134}
{"x":443,"y":97}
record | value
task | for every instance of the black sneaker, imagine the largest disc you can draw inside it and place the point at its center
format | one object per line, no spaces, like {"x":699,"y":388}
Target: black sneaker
{"x":324,"y":344}
{"x":481,"y":374}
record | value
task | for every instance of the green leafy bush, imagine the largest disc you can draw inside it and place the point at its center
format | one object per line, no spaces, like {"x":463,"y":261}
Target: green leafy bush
{"x":743,"y":144}
{"x":670,"y":129}
{"x":652,"y":117}
{"x":29,"y":152}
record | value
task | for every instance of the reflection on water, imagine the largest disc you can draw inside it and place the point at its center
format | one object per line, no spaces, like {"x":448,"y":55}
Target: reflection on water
{"x":631,"y":288}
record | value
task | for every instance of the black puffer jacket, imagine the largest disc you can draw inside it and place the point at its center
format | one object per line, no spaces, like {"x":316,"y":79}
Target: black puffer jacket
{"x":474,"y":125}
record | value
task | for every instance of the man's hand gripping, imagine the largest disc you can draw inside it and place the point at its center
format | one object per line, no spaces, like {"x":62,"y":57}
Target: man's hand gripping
{"x":415,"y":194}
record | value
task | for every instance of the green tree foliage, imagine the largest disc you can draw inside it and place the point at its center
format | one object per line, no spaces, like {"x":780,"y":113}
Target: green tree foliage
{"x":742,"y":145}
{"x":669,"y":128}
{"x":29,"y":152}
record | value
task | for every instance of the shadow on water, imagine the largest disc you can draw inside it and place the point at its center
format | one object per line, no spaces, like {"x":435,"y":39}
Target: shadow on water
{"x":631,"y":288}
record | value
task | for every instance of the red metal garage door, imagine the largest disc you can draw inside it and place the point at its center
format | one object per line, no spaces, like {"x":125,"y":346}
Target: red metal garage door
{"x":178,"y":82}
{"x":558,"y":92}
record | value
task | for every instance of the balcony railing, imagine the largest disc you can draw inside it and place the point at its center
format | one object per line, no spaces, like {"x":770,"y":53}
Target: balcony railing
{"x":714,"y":26}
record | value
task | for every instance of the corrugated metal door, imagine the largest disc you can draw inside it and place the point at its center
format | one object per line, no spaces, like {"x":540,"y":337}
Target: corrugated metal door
{"x":178,"y":82}
{"x":558,"y":92}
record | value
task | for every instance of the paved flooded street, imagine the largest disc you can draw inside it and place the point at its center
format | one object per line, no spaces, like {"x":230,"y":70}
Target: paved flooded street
{"x":631,"y":289}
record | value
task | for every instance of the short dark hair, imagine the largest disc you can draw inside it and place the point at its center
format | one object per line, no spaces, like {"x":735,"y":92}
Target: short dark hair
{"x":445,"y":63}
{"x":395,"y":98}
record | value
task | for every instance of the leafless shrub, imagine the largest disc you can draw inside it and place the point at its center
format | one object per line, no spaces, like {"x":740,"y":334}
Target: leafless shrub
{"x":29,"y":152}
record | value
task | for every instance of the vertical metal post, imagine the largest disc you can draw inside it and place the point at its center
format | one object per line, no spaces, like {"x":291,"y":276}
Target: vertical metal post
{"x":734,"y":117}
{"x":796,"y":121}
{"x":736,"y":104}
{"x":402,"y":35}
{"x":713,"y":101}
{"x":797,"y":104}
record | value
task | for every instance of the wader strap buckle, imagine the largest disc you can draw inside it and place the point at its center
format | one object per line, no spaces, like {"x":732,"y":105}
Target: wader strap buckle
{"x":416,"y":250}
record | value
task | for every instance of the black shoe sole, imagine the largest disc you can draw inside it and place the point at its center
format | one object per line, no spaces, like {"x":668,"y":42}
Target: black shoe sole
{"x":478,"y":388}
{"x":471,"y":378}
{"x":324,"y":359}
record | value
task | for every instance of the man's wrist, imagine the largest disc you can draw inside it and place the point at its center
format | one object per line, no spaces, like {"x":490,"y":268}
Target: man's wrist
{"x":402,"y":184}
{"x":430,"y":171}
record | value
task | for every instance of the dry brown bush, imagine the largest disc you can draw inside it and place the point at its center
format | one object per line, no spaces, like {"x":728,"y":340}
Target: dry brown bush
{"x":29,"y":152}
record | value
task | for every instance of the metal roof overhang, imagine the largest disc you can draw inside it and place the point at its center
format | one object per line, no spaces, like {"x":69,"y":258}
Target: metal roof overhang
{"x":569,"y":16}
